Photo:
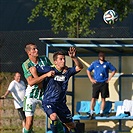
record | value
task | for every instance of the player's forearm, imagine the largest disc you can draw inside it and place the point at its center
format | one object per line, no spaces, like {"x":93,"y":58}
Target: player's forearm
{"x":36,"y":80}
{"x":77,"y":62}
{"x":112,"y":74}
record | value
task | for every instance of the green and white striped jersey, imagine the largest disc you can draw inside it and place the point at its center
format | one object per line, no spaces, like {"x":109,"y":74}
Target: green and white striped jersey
{"x":34,"y":91}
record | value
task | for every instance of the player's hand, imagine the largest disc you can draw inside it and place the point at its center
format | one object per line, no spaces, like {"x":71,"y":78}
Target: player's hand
{"x":72,"y":52}
{"x":108,"y":80}
{"x":93,"y":81}
{"x":51,"y":74}
{"x":32,"y":69}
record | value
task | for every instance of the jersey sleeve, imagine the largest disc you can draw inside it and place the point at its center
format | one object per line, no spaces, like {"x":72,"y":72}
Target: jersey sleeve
{"x":49,"y":62}
{"x":91,"y":67}
{"x":46,"y":60}
{"x":72,"y":71}
{"x":111,"y":67}
{"x":26,"y":70}
{"x":43,"y":69}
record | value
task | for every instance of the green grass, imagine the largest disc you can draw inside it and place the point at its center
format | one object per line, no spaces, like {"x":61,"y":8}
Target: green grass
{"x":18,"y":129}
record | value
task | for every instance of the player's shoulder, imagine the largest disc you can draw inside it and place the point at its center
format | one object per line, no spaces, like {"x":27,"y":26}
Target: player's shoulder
{"x":43,"y":57}
{"x":26,"y":62}
{"x":53,"y":67}
{"x":95,"y":62}
{"x":107,"y":62}
{"x":70,"y":69}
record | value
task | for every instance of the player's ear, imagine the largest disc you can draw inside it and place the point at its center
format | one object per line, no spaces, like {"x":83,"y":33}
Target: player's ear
{"x":55,"y":62}
{"x":28,"y":52}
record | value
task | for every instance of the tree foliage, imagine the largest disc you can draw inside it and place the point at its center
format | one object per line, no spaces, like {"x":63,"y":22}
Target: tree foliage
{"x":74,"y":16}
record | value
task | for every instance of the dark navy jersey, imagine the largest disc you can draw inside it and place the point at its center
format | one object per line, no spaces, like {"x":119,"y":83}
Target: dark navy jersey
{"x":56,"y":87}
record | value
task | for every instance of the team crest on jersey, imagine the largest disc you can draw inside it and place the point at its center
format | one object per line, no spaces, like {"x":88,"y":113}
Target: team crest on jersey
{"x":59,"y":78}
{"x":104,"y":66}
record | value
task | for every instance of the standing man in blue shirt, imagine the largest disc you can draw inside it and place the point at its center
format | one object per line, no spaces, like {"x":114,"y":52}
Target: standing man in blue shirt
{"x":100,"y":81}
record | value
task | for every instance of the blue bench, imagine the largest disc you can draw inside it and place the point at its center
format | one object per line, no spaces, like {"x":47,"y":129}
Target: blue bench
{"x":83,"y":111}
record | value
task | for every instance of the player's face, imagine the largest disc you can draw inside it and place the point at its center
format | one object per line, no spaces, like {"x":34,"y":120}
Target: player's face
{"x":101,"y":56}
{"x":60,"y":62}
{"x":33,"y":51}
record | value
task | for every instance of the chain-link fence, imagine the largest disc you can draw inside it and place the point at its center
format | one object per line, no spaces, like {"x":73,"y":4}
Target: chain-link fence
{"x":12,"y":44}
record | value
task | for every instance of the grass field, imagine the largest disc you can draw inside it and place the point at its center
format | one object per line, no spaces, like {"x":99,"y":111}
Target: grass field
{"x":16,"y":129}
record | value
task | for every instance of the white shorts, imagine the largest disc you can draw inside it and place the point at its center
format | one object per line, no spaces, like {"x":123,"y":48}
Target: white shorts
{"x":30,"y":105}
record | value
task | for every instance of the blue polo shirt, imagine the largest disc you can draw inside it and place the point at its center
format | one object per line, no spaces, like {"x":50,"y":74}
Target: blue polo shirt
{"x":101,"y":71}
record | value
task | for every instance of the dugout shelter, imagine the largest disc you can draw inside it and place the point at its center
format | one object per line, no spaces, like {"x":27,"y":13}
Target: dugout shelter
{"x":119,"y":51}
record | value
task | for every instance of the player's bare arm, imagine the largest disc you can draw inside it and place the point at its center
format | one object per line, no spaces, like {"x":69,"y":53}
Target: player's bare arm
{"x":38,"y":79}
{"x":72,"y":54}
{"x":33,"y":72}
{"x":35,"y":75}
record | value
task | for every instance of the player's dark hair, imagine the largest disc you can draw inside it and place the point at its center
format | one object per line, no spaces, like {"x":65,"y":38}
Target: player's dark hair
{"x":56,"y":54}
{"x":27,"y":46}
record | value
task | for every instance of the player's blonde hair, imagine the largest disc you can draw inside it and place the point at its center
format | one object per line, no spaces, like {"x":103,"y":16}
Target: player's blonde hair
{"x":28,"y":46}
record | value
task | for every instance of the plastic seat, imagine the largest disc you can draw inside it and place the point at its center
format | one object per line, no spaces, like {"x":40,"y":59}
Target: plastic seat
{"x":82,"y":109}
{"x":116,"y":104}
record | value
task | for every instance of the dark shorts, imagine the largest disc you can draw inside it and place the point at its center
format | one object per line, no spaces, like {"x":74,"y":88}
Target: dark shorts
{"x":60,"y":109}
{"x":21,"y":114}
{"x":100,"y":88}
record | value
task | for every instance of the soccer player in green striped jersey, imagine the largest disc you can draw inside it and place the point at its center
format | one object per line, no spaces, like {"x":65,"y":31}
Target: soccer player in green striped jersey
{"x":34,"y":91}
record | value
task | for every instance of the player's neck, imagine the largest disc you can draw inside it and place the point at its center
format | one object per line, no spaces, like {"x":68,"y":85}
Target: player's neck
{"x":101,"y":61}
{"x":58,"y":68}
{"x":34,"y":59}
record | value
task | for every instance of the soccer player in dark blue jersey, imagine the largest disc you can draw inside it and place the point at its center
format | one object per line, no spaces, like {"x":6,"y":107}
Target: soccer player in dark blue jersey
{"x":54,"y":100}
{"x":100,"y":80}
